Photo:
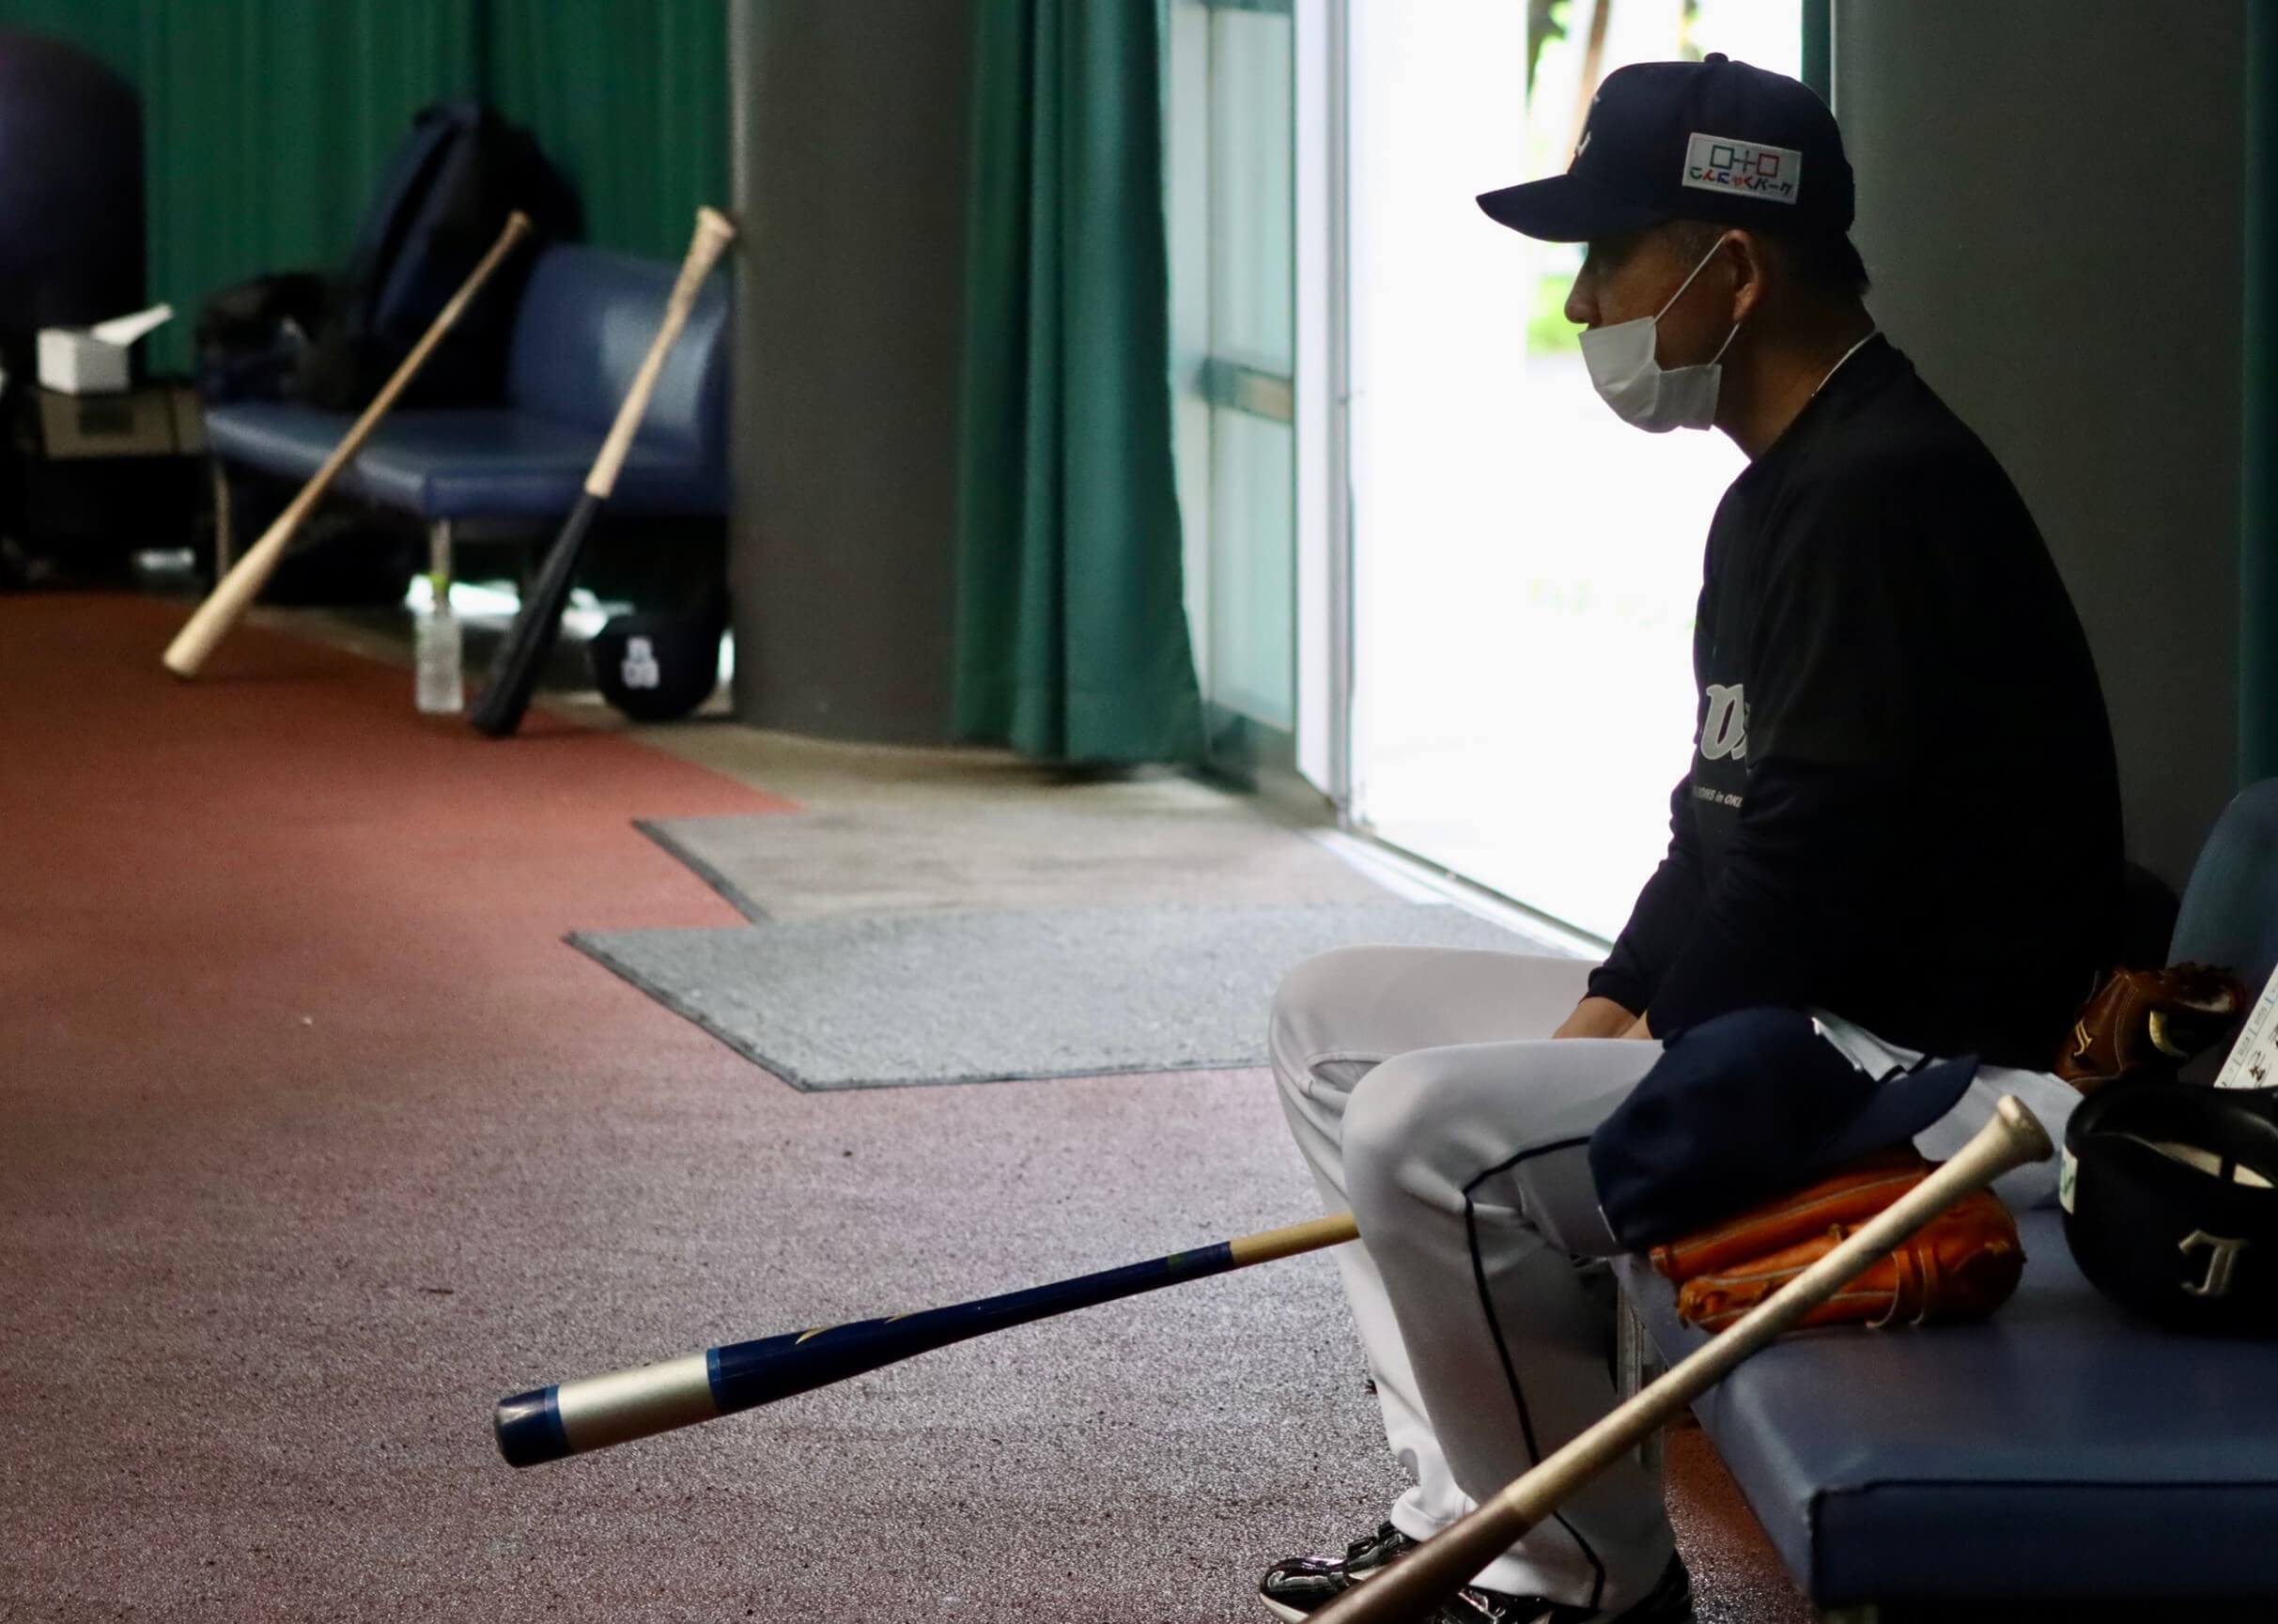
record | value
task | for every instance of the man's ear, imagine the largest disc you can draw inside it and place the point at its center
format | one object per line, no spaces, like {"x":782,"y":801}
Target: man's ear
{"x":1750,"y":266}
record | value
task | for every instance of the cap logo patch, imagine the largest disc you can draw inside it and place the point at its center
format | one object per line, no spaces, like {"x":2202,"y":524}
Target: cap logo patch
{"x":1720,"y":163}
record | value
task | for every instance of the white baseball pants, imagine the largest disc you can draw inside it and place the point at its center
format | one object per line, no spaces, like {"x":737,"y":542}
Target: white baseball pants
{"x":1424,"y":1092}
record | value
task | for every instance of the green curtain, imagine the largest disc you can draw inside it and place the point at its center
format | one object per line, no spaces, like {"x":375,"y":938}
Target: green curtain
{"x":1072,"y":641}
{"x":111,"y":30}
{"x":265,"y":122}
{"x":630,"y":97}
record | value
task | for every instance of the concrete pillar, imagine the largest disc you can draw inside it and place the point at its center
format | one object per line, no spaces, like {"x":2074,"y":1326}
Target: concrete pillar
{"x":849,"y":130}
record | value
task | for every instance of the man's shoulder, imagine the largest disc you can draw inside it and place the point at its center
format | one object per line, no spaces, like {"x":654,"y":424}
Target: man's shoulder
{"x":1902,"y":460}
{"x":1900,"y":442}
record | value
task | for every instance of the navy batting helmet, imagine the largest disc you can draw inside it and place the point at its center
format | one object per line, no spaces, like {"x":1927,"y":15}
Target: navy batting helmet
{"x":2170,"y":1193}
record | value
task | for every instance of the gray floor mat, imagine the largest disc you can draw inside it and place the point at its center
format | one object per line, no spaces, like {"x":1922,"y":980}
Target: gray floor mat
{"x":878,"y":1002}
{"x":1073,"y":849}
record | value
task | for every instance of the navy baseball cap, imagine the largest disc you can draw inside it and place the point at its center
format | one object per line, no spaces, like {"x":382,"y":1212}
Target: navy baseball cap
{"x":1712,"y":140}
{"x":1743,"y":1108}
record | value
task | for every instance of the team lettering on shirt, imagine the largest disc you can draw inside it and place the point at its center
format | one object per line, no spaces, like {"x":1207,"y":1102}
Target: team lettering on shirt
{"x":1724,"y":732}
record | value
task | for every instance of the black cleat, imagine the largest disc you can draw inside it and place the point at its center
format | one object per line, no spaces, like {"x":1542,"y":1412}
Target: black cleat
{"x":1669,"y":1602}
{"x":1300,"y":1585}
{"x":1310,"y":1583}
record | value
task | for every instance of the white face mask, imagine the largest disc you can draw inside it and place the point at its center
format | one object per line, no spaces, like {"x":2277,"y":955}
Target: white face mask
{"x":1633,"y":381}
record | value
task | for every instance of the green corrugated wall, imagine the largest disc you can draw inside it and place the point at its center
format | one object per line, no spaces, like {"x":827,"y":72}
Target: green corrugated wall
{"x":266,"y":121}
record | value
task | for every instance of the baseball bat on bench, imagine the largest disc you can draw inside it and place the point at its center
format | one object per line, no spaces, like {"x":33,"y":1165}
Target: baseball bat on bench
{"x":230,"y":599}
{"x":514,"y":675}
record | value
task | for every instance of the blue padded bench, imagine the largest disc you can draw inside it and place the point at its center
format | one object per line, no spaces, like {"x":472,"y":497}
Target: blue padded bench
{"x":2061,"y":1453}
{"x":584,"y":320}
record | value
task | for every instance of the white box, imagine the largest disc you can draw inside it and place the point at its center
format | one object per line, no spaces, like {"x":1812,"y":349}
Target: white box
{"x":93,"y":360}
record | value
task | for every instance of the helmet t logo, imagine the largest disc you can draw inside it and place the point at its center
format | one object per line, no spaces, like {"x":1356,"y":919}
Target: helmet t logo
{"x":2219,"y":1266}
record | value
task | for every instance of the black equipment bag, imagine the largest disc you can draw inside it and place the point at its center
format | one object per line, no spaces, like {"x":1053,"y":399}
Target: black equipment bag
{"x":334,"y":340}
{"x":251,"y":337}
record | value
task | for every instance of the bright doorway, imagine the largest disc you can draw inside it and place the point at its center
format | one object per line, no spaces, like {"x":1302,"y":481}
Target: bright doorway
{"x":1525,"y":565}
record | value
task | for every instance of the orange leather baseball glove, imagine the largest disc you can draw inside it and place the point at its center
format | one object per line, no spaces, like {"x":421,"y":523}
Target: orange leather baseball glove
{"x":2149,"y":1021}
{"x":1961,"y":1265}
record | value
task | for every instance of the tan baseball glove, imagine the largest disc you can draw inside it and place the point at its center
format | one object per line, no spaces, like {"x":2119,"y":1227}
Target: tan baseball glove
{"x":1961,"y":1266}
{"x":2149,"y":1022}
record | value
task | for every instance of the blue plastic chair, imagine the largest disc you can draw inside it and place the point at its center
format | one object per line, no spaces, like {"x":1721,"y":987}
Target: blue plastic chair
{"x":2230,"y":907}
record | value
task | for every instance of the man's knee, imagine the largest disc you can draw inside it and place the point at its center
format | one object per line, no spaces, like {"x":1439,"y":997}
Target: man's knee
{"x":1306,"y":1001}
{"x":1394,"y":1125}
{"x":1425,"y":1126}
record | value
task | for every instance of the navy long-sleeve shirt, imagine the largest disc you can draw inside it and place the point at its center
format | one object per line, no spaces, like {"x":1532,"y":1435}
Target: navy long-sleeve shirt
{"x":1903,"y":805}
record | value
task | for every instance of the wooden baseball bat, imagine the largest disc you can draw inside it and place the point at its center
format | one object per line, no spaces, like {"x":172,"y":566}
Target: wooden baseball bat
{"x":1411,"y":1588}
{"x":574,"y":1417}
{"x":236,"y":591}
{"x":514,"y":674}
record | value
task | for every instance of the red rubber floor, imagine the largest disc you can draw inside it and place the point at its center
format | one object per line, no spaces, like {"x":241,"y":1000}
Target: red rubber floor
{"x":315,"y":1138}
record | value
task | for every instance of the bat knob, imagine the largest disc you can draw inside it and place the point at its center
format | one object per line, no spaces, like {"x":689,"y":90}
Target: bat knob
{"x":528,"y":1427}
{"x":2025,"y":1131}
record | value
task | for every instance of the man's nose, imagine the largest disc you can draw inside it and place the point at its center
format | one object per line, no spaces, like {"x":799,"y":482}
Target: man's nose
{"x":1580,"y":305}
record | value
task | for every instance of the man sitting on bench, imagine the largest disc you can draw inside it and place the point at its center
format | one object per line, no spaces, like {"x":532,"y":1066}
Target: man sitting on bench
{"x":1903,"y":813}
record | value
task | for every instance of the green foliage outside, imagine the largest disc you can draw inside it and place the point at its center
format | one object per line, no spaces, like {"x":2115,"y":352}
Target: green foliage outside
{"x":1548,"y":332}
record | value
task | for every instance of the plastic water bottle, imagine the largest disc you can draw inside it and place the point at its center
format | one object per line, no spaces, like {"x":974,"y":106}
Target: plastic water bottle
{"x":442,"y":686}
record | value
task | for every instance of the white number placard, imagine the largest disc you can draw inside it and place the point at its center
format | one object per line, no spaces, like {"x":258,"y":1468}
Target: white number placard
{"x":2254,"y":1059}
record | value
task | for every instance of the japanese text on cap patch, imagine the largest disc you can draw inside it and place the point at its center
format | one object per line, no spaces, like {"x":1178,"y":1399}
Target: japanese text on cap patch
{"x":1720,"y":163}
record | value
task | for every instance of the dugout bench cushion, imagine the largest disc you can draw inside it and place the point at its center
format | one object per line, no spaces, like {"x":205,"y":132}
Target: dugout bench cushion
{"x":584,"y":322}
{"x":460,"y":464}
{"x":2062,"y":1450}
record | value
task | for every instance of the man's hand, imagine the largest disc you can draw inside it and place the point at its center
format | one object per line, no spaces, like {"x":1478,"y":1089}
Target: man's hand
{"x":1639,"y":1030}
{"x":1596,"y":1017}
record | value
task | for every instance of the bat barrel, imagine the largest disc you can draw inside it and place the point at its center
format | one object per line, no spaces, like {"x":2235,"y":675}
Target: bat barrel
{"x":521,"y":659}
{"x":550,"y":1423}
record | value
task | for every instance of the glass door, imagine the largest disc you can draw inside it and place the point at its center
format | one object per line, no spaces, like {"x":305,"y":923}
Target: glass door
{"x":1231,"y":202}
{"x":1523,"y":566}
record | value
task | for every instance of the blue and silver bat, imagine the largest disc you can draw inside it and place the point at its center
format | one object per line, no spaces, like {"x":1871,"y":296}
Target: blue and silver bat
{"x":574,"y":1417}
